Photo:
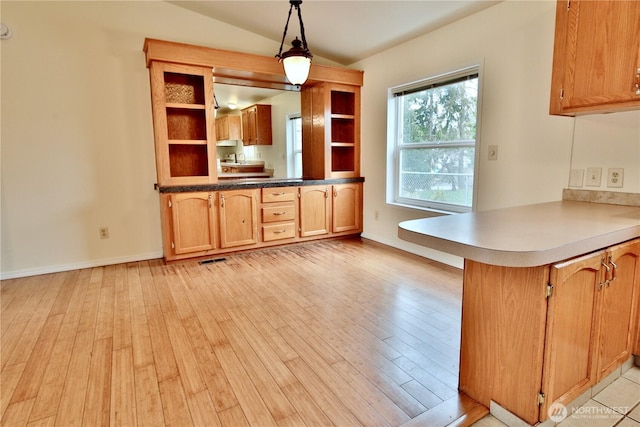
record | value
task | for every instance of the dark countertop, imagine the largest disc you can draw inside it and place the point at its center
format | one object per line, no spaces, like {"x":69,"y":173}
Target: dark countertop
{"x":237,"y":184}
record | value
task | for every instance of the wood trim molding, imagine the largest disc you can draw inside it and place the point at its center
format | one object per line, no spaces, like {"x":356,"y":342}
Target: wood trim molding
{"x":231,"y":67}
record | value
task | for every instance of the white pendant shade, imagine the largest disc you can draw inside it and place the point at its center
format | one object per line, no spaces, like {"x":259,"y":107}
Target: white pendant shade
{"x":297,"y":69}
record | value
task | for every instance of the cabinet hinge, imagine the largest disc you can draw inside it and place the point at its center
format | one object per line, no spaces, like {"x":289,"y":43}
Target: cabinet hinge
{"x":173,"y":245}
{"x":540,"y":398}
{"x":549,"y":292}
{"x":568,"y":4}
{"x":169,"y":203}
{"x":561,"y":94}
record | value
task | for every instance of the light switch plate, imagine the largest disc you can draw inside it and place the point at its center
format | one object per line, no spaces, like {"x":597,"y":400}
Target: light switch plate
{"x":594,"y":177}
{"x":576,"y":179}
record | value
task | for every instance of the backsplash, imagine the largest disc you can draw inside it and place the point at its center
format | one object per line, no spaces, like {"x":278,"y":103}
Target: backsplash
{"x":608,"y":197}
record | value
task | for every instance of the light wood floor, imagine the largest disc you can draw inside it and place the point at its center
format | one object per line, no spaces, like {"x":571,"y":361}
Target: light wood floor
{"x":340,"y":332}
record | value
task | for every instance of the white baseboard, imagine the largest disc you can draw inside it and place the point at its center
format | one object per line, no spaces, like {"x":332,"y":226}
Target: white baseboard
{"x":432,"y":254}
{"x":77,"y":266}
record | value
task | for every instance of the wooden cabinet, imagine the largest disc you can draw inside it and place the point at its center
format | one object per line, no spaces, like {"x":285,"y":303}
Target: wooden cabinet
{"x":256,"y":125}
{"x":330,"y":131}
{"x":556,"y":329}
{"x":197,"y":224}
{"x":347,"y":208}
{"x":596,"y":59}
{"x":228,"y":128}
{"x":315,"y":210}
{"x":190,"y":223}
{"x":571,"y":342}
{"x":279,"y":213}
{"x":618,"y":310}
{"x":238,"y":218}
{"x":182,"y":106}
{"x":591,"y":321}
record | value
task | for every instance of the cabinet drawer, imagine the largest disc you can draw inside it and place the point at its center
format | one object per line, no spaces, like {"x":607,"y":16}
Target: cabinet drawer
{"x":278,"y":213}
{"x":270,"y":195}
{"x":278,"y":231}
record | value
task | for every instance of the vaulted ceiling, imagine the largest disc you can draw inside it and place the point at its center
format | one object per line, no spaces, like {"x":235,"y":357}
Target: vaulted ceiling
{"x":341,"y":31}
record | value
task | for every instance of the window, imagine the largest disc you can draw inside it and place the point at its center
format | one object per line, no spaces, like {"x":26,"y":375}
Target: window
{"x":294,"y":146}
{"x":432,"y":138}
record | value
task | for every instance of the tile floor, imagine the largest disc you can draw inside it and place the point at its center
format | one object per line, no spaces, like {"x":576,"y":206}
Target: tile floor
{"x":617,"y":405}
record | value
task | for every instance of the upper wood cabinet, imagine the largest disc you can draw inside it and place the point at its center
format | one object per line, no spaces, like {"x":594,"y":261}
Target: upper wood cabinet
{"x":183,"y":120}
{"x":330,"y":131}
{"x":228,"y":128}
{"x":256,"y":125}
{"x":596,"y":58}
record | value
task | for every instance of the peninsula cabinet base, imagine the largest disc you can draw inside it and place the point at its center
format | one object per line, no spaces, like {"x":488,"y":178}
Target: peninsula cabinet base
{"x":535,"y":336}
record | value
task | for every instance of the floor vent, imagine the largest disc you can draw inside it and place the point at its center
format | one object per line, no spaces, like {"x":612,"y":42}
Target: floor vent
{"x":210,"y":261}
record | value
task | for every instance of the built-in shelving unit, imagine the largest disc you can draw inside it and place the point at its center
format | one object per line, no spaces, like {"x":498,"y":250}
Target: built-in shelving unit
{"x":183,"y":124}
{"x":331,"y":131}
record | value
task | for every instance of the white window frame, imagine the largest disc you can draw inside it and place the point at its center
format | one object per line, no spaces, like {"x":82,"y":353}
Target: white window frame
{"x":393,"y":147}
{"x":291,"y":146}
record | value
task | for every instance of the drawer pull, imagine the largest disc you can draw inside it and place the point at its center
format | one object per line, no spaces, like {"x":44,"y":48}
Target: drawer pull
{"x":279,"y":231}
{"x":278,"y":194}
{"x":280,"y":213}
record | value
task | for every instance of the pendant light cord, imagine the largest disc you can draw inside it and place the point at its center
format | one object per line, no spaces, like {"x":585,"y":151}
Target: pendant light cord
{"x":286,"y":26}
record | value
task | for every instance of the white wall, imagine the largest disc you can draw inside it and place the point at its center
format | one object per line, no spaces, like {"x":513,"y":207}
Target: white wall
{"x":77,"y":138}
{"x":514,"y":42}
{"x":608,"y":141}
{"x":77,"y":142}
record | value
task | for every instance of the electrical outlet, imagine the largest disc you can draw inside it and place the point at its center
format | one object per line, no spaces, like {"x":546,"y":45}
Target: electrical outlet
{"x":615,"y":177}
{"x":594,"y":177}
{"x":104,"y":232}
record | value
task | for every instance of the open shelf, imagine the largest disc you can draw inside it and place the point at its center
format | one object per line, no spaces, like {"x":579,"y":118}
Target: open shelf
{"x":186,"y":124}
{"x":342,"y":103}
{"x":184,"y":88}
{"x":188,"y":160}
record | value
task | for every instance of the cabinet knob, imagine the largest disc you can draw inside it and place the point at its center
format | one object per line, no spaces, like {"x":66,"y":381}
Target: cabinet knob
{"x":638,"y":82}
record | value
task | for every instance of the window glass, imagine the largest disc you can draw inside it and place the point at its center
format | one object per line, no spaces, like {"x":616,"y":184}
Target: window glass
{"x":294,"y":146}
{"x":434,"y":141}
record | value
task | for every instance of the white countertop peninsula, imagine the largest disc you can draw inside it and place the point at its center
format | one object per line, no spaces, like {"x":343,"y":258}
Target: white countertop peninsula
{"x":537,"y":316}
{"x":526,"y":236}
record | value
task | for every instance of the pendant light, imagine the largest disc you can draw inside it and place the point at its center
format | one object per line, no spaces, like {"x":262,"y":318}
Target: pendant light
{"x":297,"y":60}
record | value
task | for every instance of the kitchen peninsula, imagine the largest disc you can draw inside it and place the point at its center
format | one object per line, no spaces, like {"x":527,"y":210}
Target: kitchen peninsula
{"x":551,"y":300}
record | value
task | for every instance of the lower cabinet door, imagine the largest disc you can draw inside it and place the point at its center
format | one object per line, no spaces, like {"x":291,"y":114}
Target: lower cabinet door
{"x":238,"y":218}
{"x":347,"y":208}
{"x":193,"y":222}
{"x":570,"y":343}
{"x":617,"y":309}
{"x":315,"y":210}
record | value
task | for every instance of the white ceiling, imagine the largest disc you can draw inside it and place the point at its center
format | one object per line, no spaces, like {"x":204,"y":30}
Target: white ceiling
{"x":342,"y":31}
